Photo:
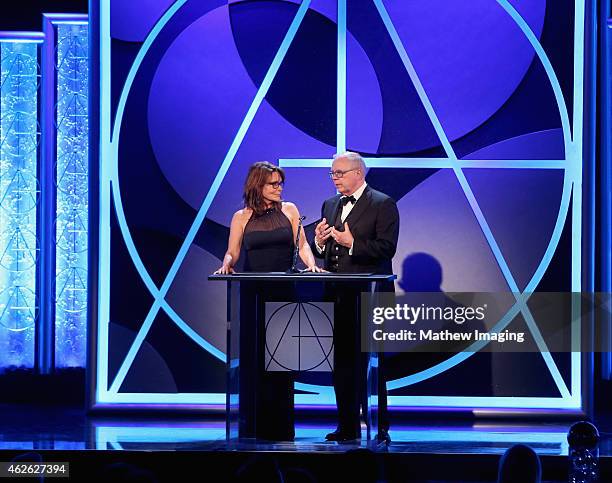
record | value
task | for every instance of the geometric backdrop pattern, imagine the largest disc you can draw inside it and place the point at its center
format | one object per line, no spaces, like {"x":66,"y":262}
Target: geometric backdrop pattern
{"x":469,"y":114}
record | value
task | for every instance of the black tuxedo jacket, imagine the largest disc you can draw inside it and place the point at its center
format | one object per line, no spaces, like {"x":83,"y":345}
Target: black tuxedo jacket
{"x":374,"y":223}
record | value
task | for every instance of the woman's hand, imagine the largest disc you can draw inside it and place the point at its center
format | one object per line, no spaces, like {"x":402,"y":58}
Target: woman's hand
{"x":224,"y":270}
{"x":315,"y":269}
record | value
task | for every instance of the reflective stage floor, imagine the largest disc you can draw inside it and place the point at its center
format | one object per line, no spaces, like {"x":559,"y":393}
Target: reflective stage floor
{"x":420,"y":451}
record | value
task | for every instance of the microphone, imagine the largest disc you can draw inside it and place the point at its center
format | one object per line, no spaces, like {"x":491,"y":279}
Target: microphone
{"x":297,"y":247}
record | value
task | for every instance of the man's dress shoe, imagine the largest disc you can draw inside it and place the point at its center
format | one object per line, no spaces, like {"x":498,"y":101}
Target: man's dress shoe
{"x":383,"y":437}
{"x":342,"y":436}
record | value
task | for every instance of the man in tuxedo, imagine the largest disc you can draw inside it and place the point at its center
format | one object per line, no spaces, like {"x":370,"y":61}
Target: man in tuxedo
{"x":357,"y":234}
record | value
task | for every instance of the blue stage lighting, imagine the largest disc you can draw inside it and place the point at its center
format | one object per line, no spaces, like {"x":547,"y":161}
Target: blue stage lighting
{"x":71,"y":178}
{"x":19,"y":196}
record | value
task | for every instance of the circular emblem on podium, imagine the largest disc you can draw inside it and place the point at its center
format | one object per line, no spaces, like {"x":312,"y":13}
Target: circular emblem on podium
{"x":299,"y":338}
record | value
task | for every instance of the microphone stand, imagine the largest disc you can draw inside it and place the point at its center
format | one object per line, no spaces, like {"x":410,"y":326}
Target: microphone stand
{"x":297,"y":247}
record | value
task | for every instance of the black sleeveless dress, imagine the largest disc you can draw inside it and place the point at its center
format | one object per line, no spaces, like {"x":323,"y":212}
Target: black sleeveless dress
{"x":268,"y":242}
{"x":268,"y":247}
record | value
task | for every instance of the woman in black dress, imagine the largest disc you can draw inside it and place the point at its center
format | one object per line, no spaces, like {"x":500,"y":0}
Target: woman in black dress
{"x":267,"y":229}
{"x":266,"y":226}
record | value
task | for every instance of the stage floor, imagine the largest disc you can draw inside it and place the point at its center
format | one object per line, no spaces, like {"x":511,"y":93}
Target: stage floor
{"x":473,"y":447}
{"x":62,"y":428}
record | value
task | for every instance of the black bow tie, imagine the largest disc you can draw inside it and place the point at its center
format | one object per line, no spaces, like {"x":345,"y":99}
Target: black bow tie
{"x":348,"y":199}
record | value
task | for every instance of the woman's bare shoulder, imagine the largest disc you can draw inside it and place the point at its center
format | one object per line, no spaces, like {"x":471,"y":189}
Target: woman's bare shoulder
{"x":243,"y":214}
{"x":289,"y":206}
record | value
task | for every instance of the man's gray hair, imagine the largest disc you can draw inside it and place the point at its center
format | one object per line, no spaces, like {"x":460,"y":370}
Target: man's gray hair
{"x":355,"y":158}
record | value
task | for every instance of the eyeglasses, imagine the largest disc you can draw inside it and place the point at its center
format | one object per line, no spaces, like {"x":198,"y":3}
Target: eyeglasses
{"x":339,"y":173}
{"x":277,"y":184}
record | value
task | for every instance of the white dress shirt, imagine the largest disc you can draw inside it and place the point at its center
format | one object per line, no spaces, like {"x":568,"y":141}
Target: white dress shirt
{"x":346,"y":209}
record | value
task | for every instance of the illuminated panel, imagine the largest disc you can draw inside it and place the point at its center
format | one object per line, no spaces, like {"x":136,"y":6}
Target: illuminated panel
{"x":19,"y":195}
{"x":71,"y":178}
{"x":606,"y":184}
{"x":64,"y":140}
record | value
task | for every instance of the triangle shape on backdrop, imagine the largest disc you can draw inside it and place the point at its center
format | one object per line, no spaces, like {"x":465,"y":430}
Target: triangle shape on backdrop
{"x":520,"y":207}
{"x":553,"y":313}
{"x":407,"y":127}
{"x":490,"y":372}
{"x":310,"y":68}
{"x":169,"y":361}
{"x":439,"y":233}
{"x":303,"y":91}
{"x":130,"y":301}
{"x":149,"y":372}
{"x":202,"y":305}
{"x":120,"y":340}
{"x":524,"y":373}
{"x":297,"y":117}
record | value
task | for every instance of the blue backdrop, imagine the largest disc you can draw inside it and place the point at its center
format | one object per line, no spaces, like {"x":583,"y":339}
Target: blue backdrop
{"x":470,"y":114}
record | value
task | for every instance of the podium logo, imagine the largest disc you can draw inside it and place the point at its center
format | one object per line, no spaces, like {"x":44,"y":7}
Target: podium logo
{"x":299,"y":336}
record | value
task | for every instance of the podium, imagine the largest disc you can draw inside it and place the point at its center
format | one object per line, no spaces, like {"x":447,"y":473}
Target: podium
{"x":247,"y":296}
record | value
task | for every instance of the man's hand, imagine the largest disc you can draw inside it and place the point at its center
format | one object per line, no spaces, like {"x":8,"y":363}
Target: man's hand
{"x":322,"y":232}
{"x":344,"y":238}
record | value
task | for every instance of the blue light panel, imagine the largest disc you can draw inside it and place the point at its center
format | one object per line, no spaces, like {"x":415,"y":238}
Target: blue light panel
{"x":71,"y":195}
{"x":19,"y":195}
